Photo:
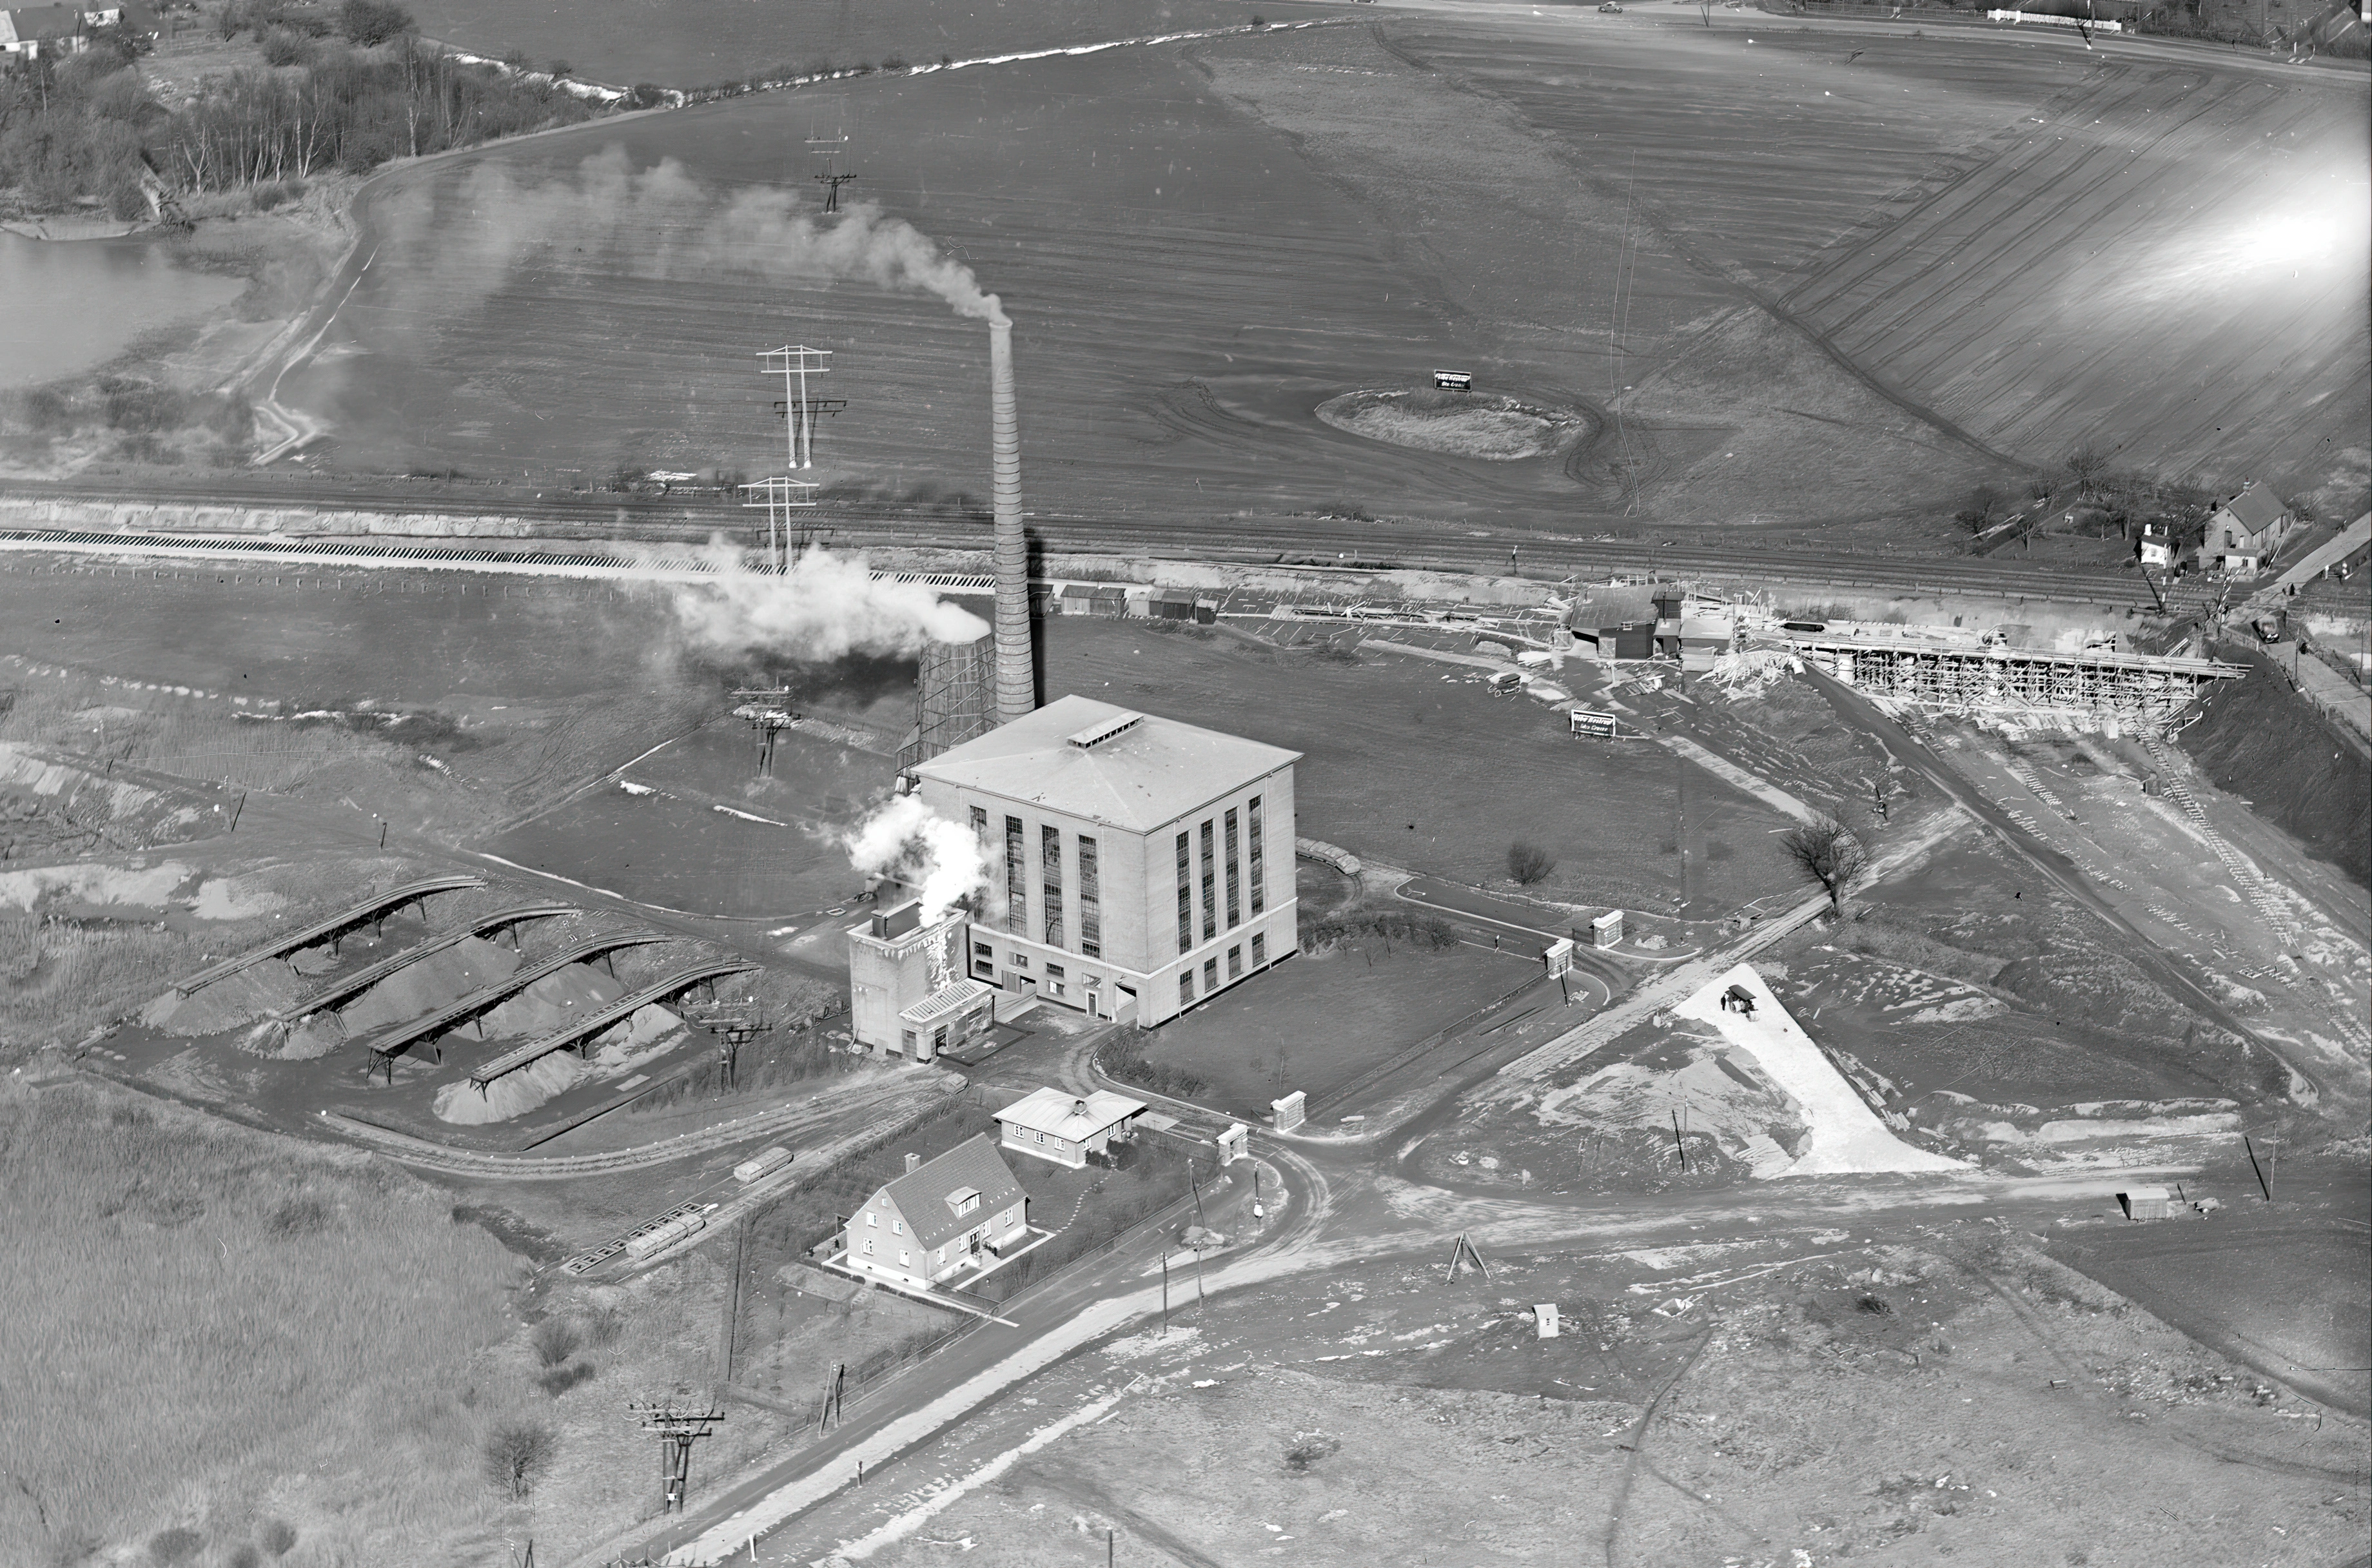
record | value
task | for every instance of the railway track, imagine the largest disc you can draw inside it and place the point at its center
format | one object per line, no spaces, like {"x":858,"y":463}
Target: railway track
{"x":860,"y":523}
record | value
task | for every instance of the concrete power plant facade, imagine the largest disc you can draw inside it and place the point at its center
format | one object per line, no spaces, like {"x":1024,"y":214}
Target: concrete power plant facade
{"x":1016,"y":675}
{"x":1137,"y":865}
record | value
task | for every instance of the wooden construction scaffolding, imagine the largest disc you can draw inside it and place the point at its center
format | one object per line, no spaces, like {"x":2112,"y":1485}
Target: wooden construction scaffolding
{"x":2142,"y":688}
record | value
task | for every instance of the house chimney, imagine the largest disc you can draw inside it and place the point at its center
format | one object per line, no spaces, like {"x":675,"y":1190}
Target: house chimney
{"x":1016,"y":676}
{"x":914,"y":1164}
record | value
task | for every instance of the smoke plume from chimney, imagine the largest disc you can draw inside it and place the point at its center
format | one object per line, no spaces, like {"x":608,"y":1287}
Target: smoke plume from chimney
{"x":942,"y":860}
{"x":824,"y":607}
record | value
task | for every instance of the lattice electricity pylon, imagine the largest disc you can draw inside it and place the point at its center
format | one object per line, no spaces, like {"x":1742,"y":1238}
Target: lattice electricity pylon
{"x":795,"y":363}
{"x":677,"y":1427}
{"x":768,"y":711}
{"x":784,"y":499}
{"x":734,"y":1024}
{"x":830,"y":176}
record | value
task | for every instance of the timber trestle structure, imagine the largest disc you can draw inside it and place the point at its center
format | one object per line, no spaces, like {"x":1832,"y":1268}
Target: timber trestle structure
{"x":375,"y":910}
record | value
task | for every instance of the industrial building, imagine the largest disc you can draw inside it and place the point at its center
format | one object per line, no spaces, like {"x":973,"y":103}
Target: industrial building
{"x":1138,"y":865}
{"x":907,"y":993}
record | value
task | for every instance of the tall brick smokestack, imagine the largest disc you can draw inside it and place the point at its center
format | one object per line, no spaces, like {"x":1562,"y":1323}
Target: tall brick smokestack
{"x":1016,"y":675}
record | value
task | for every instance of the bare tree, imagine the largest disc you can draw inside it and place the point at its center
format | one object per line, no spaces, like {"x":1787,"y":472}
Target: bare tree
{"x":1529,"y":863}
{"x":517,"y":1452}
{"x":1987,"y":505}
{"x":1829,"y":854}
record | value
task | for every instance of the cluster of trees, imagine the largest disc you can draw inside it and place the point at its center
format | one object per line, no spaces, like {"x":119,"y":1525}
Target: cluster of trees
{"x":347,"y":89}
{"x":2096,"y":497}
{"x":142,"y":415}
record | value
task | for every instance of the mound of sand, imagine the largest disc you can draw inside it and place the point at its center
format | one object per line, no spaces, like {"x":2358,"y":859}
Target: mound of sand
{"x":230,"y":1004}
{"x":431,"y":984}
{"x":1846,"y":1136}
{"x":1497,"y":429}
{"x":551,"y":1002}
{"x":513,"y":1094}
{"x":1728,"y":1098}
{"x":144,"y":886}
{"x":316,"y":1037}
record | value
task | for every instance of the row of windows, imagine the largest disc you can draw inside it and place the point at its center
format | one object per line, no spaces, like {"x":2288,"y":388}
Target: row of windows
{"x":938,"y":1255}
{"x":1246,"y":855}
{"x":1210,"y":969}
{"x":1049,"y":883}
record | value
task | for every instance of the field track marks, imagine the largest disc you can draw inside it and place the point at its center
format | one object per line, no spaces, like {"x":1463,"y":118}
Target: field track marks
{"x":1672,"y":229}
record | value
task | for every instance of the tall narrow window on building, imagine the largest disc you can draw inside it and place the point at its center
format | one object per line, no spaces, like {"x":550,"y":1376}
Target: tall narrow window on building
{"x":1091,"y":908}
{"x":1235,"y":962}
{"x":1185,"y":987}
{"x":1185,"y":899}
{"x":1050,"y":878}
{"x":1210,"y":881}
{"x":1235,"y":879}
{"x":979,"y":825}
{"x":1254,"y":867}
{"x":1210,"y":974}
{"x":1016,"y":877}
{"x":1260,"y":949}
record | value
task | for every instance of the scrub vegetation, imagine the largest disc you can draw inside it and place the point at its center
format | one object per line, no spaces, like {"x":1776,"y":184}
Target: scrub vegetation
{"x":240,"y":1341}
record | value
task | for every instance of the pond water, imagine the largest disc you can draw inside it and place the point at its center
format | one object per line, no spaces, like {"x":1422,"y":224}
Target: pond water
{"x":78,"y":303}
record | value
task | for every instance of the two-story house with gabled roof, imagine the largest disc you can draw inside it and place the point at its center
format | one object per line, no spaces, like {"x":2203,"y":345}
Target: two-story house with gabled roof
{"x":941,"y":1219}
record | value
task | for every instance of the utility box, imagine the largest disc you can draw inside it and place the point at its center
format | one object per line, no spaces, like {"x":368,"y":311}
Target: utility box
{"x":1290,"y":1111}
{"x":1544,"y":1320}
{"x":2146,"y":1204}
{"x":1606,"y":930}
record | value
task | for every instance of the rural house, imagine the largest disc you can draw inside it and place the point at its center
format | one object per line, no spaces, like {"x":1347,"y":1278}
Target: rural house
{"x":942,"y":1217}
{"x":2245,"y":530}
{"x":1064,"y":1128}
{"x":41,"y":31}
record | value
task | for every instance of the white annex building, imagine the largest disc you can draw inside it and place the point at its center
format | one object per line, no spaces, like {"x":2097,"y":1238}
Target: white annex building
{"x":1065,"y":1129}
{"x":1138,"y":865}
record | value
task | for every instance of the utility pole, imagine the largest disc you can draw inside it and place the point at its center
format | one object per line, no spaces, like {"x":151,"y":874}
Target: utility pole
{"x":676,"y":1428}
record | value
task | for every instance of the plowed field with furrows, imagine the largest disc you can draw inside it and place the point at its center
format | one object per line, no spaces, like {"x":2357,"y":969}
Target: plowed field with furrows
{"x":1186,"y":292}
{"x":1754,"y":149}
{"x":2154,"y":272}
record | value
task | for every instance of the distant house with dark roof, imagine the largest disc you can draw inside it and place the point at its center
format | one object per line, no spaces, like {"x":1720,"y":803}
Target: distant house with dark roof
{"x":943,"y":1217}
{"x":2245,"y":530}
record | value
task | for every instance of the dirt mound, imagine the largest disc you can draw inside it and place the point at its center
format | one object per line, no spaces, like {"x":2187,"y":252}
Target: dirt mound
{"x":554,"y":1000}
{"x":226,"y":1003}
{"x":513,"y":1094}
{"x":1498,"y":429}
{"x":314,"y":1038}
{"x":433,"y":981}
{"x":2260,"y":740}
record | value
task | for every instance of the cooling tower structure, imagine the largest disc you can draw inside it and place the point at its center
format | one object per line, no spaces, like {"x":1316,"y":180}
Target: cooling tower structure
{"x":957,"y":697}
{"x":1016,"y":676}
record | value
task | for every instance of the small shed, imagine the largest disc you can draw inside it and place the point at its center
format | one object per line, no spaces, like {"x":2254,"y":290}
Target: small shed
{"x":947,"y":1019}
{"x":2146,"y":1204}
{"x":1077,"y":599}
{"x":1632,"y":640}
{"x":1171,"y":604}
{"x":1107,"y":601}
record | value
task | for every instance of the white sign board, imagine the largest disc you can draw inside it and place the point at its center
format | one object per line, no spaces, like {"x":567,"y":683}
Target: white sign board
{"x":1289,"y":1110}
{"x":1544,"y":1318}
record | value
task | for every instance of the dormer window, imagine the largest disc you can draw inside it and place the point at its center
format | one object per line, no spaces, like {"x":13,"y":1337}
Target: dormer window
{"x":964,"y":1200}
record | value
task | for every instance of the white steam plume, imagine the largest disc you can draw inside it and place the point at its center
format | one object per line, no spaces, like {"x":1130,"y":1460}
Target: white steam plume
{"x":824,"y":607}
{"x":658,"y":223}
{"x":941,"y":859}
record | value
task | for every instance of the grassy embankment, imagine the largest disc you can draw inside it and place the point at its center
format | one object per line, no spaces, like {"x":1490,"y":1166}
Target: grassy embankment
{"x":214,"y":1332}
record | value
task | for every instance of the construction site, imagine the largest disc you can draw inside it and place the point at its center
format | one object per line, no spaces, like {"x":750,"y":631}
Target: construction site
{"x":915,"y":984}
